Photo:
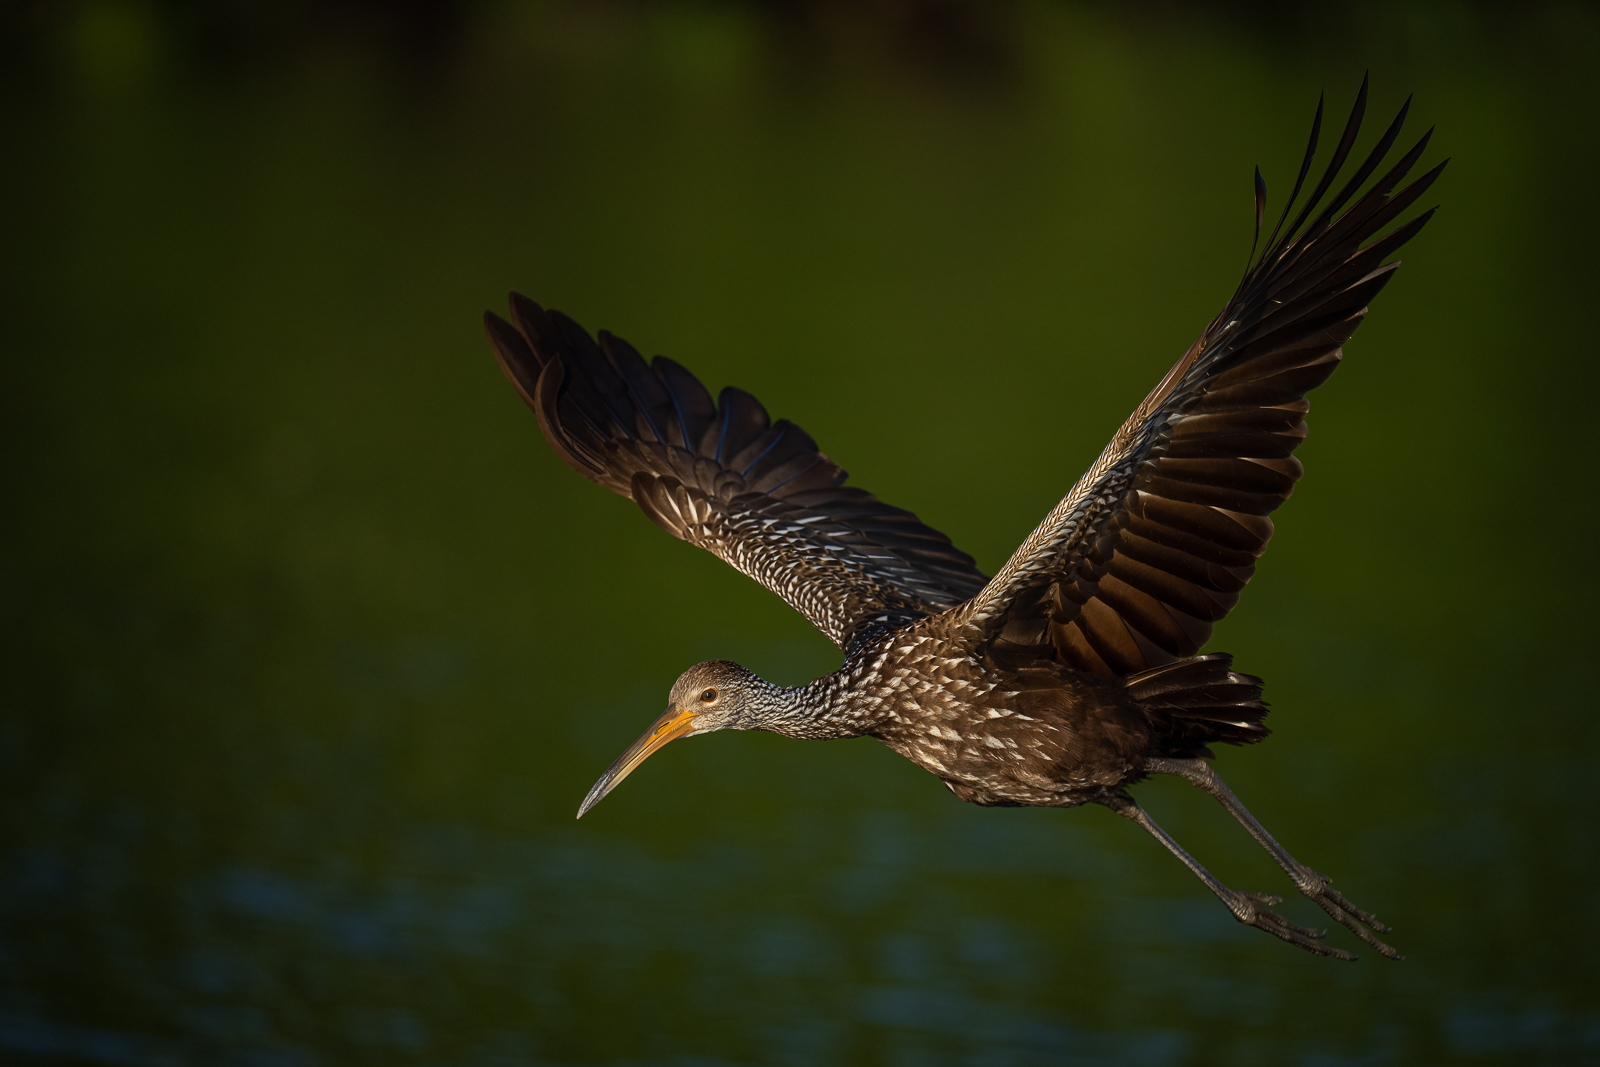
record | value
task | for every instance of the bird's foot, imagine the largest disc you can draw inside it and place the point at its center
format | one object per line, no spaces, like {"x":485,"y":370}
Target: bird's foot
{"x":1255,"y":909}
{"x":1363,"y":924}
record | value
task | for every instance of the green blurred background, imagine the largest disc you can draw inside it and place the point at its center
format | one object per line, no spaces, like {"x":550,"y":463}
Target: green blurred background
{"x":311,"y":646}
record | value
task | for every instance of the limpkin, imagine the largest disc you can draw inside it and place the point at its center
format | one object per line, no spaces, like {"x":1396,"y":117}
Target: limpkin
{"x":1074,"y":672}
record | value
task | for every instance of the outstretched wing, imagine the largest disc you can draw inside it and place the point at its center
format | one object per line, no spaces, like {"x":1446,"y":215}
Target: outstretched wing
{"x":1154,"y":543}
{"x":725,"y":477}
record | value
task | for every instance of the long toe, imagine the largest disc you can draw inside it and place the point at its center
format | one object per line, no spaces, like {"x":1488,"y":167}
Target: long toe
{"x":1363,"y":924}
{"x":1253,"y":909}
{"x":1366,"y":918}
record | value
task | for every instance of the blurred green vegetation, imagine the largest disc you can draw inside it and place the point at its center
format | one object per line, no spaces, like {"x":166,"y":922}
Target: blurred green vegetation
{"x":311,"y":647}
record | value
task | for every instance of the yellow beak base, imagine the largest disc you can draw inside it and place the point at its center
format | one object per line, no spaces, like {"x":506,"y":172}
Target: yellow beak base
{"x":672,"y":725}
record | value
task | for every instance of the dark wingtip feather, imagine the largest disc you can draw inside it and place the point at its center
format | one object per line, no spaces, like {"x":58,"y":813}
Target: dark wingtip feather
{"x":528,"y":317}
{"x":1261,"y":208}
{"x":1363,"y":172}
{"x":517,"y":359}
{"x":1305,"y":168}
{"x":1341,"y":152}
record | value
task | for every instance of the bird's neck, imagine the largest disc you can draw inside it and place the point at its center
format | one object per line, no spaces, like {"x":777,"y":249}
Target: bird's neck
{"x":815,"y":711}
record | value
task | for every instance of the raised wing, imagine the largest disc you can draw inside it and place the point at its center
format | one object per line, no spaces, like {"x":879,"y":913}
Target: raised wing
{"x":1154,"y":543}
{"x":725,"y":477}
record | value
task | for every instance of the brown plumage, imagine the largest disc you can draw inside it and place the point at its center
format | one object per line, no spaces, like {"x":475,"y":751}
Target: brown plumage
{"x":1072,"y":673}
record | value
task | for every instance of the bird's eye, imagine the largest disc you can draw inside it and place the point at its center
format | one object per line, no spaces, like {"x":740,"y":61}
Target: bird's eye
{"x":709,"y":696}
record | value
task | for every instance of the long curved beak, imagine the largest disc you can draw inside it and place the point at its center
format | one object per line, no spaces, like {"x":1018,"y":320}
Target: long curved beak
{"x":672,"y":725}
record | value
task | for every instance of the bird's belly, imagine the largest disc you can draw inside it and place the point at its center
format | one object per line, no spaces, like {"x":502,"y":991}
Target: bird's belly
{"x":983,"y":774}
{"x":997,"y":754}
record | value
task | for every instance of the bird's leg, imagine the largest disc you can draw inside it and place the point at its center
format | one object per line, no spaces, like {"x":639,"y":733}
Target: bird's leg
{"x":1252,"y":909}
{"x":1312,"y":883}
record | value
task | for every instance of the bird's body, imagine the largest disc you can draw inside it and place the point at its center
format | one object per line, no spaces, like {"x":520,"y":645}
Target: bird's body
{"x":1073,"y":672}
{"x":1046,"y":736}
{"x":1039,"y":735}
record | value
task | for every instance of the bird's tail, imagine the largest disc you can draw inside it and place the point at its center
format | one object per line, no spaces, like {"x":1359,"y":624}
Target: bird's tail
{"x":1196,"y":701}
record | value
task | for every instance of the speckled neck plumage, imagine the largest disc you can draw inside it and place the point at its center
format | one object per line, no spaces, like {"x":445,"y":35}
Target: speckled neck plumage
{"x":824,"y":709}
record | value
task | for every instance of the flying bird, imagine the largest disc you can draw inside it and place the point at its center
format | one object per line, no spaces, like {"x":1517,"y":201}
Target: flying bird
{"x":1075,"y":671}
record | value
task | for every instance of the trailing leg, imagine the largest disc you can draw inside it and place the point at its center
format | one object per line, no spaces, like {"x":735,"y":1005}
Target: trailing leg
{"x":1312,"y":883}
{"x":1252,"y":909}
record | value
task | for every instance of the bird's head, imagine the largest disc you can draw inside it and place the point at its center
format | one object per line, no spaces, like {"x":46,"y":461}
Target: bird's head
{"x":714,"y":695}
